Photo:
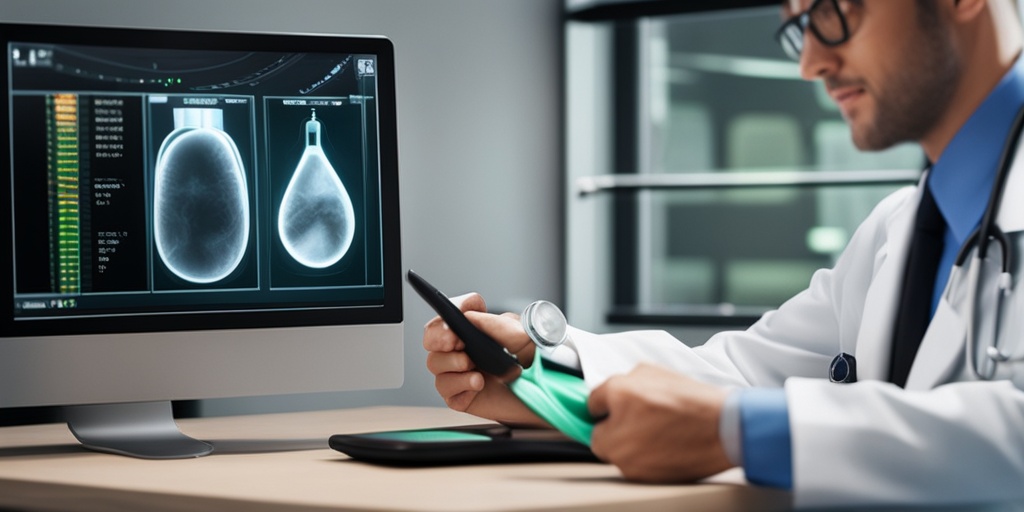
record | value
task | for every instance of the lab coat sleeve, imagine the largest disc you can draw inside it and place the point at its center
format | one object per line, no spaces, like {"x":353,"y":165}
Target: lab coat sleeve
{"x":801,"y":338}
{"x":798,"y":339}
{"x":764,"y":355}
{"x":873,"y":442}
{"x":606,"y":355}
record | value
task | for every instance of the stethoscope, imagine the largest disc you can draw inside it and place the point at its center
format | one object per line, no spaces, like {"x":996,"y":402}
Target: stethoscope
{"x":844,"y":367}
{"x":545,"y":324}
{"x":987,"y":233}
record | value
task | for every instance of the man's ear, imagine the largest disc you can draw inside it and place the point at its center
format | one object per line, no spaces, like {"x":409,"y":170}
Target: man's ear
{"x":967,"y":10}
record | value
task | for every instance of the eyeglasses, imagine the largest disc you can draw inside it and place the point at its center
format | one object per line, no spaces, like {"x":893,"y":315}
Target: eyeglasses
{"x":827,"y":21}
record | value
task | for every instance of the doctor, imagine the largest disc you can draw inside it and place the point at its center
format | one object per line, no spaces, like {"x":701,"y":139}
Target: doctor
{"x":918,"y":425}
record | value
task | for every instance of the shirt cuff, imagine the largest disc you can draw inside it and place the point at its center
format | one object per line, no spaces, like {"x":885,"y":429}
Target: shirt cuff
{"x":767,"y":445}
{"x":729,"y":431}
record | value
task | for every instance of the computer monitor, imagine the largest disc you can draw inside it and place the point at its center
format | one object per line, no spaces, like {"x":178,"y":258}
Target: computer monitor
{"x":192,"y":215}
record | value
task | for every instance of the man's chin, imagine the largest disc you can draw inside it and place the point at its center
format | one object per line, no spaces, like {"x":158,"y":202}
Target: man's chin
{"x":862,"y":138}
{"x":869,"y":137}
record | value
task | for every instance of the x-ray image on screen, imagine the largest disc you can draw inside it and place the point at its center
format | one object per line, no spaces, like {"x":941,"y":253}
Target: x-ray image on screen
{"x":316,"y":221}
{"x":317,"y":161}
{"x":160,"y":180}
{"x":203,"y":194}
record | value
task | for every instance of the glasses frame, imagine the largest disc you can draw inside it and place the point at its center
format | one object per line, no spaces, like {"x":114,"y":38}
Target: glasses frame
{"x":802,"y":21}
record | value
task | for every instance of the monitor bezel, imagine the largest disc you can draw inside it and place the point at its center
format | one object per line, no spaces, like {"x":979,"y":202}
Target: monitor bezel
{"x":389,"y":312}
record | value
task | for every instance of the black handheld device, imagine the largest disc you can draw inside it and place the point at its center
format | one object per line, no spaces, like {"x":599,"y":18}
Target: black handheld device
{"x":473,"y":444}
{"x":486,"y":354}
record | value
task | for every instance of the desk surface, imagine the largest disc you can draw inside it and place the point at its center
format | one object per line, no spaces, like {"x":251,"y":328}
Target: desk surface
{"x":42,"y":467}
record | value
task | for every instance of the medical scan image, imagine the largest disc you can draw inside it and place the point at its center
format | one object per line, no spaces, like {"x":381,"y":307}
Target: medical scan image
{"x":316,"y":220}
{"x":200,"y":199}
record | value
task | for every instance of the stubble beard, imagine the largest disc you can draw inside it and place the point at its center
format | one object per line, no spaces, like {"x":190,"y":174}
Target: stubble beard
{"x":918,"y":92}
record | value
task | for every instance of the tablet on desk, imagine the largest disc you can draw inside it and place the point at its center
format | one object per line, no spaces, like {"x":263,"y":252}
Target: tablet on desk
{"x":475,"y":444}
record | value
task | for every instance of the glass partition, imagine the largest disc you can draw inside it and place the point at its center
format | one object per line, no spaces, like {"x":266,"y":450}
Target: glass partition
{"x":732,"y":179}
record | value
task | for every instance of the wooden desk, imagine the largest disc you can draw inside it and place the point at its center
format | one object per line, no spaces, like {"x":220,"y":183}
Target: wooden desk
{"x":42,"y":467}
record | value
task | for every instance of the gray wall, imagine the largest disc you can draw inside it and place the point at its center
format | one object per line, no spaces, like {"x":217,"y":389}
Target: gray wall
{"x":479,"y":139}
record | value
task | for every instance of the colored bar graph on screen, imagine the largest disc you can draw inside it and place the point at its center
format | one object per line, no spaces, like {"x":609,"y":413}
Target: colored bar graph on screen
{"x":63,"y":167}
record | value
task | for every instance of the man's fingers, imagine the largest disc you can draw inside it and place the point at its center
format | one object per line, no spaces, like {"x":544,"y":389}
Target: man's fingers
{"x":600,"y":440}
{"x":469,"y":302}
{"x":448,"y":362}
{"x":597,"y":401}
{"x":438,"y":337}
{"x":450,"y":385}
{"x":506,"y":329}
{"x":462,"y":401}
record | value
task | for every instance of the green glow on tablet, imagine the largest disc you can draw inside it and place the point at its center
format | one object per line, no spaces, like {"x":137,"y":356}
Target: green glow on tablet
{"x":428,"y":436}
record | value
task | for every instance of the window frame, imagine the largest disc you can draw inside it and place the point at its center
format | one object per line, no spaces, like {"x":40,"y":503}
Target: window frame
{"x":628,"y":182}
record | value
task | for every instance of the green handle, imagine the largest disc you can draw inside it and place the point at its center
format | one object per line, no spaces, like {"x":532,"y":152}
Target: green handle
{"x":558,"y":398}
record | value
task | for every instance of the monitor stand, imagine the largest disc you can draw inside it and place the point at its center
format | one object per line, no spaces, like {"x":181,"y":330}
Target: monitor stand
{"x":142,"y":429}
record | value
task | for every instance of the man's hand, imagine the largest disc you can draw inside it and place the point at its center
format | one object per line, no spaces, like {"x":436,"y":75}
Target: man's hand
{"x":456,"y":378}
{"x":659,"y":426}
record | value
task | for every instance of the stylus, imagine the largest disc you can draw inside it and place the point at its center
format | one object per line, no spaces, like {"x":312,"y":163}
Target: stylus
{"x":485,"y":353}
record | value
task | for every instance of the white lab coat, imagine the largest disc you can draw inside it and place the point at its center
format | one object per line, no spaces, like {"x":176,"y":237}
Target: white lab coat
{"x":947,"y":438}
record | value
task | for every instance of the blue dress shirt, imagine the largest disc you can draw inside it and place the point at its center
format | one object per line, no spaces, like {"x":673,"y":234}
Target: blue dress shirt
{"x":961,"y":182}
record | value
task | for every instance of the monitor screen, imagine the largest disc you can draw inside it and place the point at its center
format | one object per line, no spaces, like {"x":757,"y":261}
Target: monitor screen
{"x":207,"y":195}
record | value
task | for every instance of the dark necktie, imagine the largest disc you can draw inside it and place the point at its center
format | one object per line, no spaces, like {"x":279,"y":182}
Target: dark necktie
{"x":915,"y":307}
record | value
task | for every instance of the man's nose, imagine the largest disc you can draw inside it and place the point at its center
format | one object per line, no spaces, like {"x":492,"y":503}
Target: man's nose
{"x":817,"y":60}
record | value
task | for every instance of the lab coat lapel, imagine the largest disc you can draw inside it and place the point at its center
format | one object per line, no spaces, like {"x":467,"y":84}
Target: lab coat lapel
{"x":874,"y":342}
{"x":942,"y":346}
{"x":942,"y":349}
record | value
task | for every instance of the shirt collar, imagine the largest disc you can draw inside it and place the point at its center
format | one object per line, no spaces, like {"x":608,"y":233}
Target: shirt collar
{"x":962,"y":179}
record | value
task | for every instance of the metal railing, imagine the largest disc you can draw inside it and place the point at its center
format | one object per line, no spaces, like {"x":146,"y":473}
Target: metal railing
{"x":588,"y":185}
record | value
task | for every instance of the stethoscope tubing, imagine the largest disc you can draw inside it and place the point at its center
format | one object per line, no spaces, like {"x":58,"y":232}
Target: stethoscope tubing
{"x":989,"y":231}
